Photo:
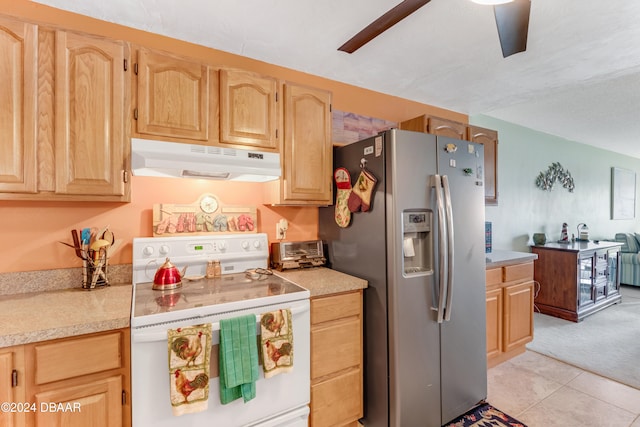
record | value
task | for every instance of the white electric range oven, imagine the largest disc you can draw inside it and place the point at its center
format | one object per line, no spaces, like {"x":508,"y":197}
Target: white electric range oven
{"x":281,"y":400}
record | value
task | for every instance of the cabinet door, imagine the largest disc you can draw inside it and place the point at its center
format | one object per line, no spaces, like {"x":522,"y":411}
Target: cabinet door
{"x":12,"y":384}
{"x":449,"y":128}
{"x":494,"y":322}
{"x":173,"y":97}
{"x":18,"y":92}
{"x":307,"y":153}
{"x":613,"y":273}
{"x":489,"y":139}
{"x":248,"y":109}
{"x":518,"y":315}
{"x":98,"y":404}
{"x":89,"y":108}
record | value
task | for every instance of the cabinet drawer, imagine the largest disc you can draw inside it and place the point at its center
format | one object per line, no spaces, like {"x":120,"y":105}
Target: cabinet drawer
{"x":75,"y":357}
{"x":335,"y":347}
{"x":335,"y":307}
{"x":494,"y":276}
{"x":518,"y":272}
{"x":338,"y":401}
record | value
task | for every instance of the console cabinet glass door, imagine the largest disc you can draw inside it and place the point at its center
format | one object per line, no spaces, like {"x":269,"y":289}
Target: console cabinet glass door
{"x":613,"y":284}
{"x":586,"y":281}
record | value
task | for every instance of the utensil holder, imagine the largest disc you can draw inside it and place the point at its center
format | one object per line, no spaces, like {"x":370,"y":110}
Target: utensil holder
{"x":94,"y":272}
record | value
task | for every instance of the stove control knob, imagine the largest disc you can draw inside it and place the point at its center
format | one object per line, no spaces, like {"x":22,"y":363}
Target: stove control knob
{"x":148,"y":250}
{"x":245,"y":245}
{"x":222,"y":245}
{"x":256,"y":244}
{"x":164,"y":250}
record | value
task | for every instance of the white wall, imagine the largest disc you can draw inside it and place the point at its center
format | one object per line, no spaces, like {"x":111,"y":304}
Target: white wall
{"x":523,"y":209}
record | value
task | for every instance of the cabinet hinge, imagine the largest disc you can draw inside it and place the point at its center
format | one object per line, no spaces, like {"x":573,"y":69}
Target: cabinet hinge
{"x":135,"y":68}
{"x":14,"y":378}
{"x":125,"y":65}
{"x":124,"y":397}
{"x":135,"y":114}
{"x":125,"y":176}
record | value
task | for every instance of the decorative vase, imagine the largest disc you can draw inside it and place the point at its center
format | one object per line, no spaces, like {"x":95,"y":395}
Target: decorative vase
{"x":539,"y":238}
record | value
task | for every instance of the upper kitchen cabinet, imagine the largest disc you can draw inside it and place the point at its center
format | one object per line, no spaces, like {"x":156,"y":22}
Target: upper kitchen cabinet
{"x":248,"y":110}
{"x":18,"y":87}
{"x":90,"y":105}
{"x":176,"y":98}
{"x":452,"y":129}
{"x":64,"y":98}
{"x":489,"y":139}
{"x":436,"y":126}
{"x":307,"y":160}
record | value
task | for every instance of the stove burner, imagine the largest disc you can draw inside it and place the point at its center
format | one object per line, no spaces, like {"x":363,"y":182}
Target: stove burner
{"x":258,"y":273}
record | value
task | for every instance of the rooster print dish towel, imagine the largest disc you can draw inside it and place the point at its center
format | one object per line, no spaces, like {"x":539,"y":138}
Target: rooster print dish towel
{"x":277,"y":342}
{"x":189,"y":354}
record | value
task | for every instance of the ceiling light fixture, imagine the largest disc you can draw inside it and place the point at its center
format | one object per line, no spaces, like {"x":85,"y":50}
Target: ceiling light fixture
{"x":491,"y":2}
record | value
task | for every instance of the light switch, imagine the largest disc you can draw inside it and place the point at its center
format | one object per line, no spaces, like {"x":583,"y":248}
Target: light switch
{"x":452,"y":163}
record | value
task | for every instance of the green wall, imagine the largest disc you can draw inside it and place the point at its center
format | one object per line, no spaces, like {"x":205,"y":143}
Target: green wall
{"x":524,"y":209}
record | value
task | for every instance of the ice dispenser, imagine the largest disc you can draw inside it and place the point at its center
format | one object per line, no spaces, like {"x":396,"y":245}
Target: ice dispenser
{"x":417,"y":244}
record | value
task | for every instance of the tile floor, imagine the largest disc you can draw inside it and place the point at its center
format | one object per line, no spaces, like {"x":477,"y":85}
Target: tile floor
{"x":543,"y":392}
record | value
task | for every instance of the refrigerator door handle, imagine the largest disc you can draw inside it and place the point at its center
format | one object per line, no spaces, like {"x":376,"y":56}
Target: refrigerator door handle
{"x":442,"y":247}
{"x":450,"y":246}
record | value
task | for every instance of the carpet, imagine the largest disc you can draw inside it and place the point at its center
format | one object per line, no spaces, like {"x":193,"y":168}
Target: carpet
{"x":485,"y":415}
{"x":606,"y":343}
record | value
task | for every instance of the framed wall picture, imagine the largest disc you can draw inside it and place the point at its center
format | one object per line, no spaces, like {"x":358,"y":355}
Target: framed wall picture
{"x":623,"y":193}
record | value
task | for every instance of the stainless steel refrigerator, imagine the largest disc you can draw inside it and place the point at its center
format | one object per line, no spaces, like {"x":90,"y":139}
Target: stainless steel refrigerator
{"x":421,"y":247}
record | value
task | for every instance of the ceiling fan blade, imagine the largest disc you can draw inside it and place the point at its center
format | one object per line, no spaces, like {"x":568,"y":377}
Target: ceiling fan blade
{"x":380,"y":25}
{"x":512,"y":20}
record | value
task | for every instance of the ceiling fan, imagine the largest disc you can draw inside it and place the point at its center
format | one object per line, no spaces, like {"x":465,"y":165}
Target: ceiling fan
{"x":512,"y":20}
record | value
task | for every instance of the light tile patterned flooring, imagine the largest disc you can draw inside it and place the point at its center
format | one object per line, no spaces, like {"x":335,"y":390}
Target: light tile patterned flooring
{"x":543,"y":392}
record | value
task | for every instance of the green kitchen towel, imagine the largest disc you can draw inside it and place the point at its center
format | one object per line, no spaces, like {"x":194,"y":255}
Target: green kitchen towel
{"x":238,"y":358}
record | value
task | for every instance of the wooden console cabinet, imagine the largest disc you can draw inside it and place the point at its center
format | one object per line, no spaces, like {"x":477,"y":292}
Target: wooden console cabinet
{"x":510,"y":292}
{"x":577,"y":279}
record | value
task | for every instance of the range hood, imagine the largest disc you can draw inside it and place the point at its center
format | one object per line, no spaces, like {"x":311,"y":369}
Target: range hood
{"x":171,"y":159}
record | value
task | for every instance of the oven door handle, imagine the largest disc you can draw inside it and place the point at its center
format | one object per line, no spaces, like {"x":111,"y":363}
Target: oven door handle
{"x":161,"y":335}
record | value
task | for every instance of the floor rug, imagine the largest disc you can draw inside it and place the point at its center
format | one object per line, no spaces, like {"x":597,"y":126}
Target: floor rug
{"x":605,"y":343}
{"x":485,"y":415}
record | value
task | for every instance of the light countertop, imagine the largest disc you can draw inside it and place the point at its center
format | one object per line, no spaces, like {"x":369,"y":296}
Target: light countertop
{"x":46,"y":315}
{"x":323,"y":281}
{"x":40,"y":316}
{"x":500,"y":258}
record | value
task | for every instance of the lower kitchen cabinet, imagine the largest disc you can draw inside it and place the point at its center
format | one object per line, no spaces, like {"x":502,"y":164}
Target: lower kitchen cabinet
{"x":509,"y":299}
{"x":12,"y":385}
{"x":79,"y":381}
{"x":336,"y":360}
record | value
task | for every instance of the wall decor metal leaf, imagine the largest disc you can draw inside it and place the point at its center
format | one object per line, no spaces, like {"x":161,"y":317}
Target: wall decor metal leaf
{"x":555,"y":173}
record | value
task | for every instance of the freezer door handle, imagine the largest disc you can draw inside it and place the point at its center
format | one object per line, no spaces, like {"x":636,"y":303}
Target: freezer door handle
{"x":450,"y":246}
{"x":442,"y":243}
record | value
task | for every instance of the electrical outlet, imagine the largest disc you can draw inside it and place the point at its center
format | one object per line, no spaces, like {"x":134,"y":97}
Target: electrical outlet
{"x":281,"y":229}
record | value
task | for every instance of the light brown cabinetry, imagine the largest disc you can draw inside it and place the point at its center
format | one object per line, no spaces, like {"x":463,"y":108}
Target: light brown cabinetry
{"x":12,"y":385}
{"x":18,"y":86}
{"x":176,"y":98}
{"x":248,"y":109}
{"x":509,"y":299}
{"x":307,"y":157}
{"x":75,"y":147}
{"x":336,"y":360}
{"x":90,"y":95}
{"x":452,"y":129}
{"x":79,"y":381}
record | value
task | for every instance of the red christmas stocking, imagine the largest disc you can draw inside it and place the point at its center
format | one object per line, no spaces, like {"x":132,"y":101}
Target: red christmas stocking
{"x":360,"y":198}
